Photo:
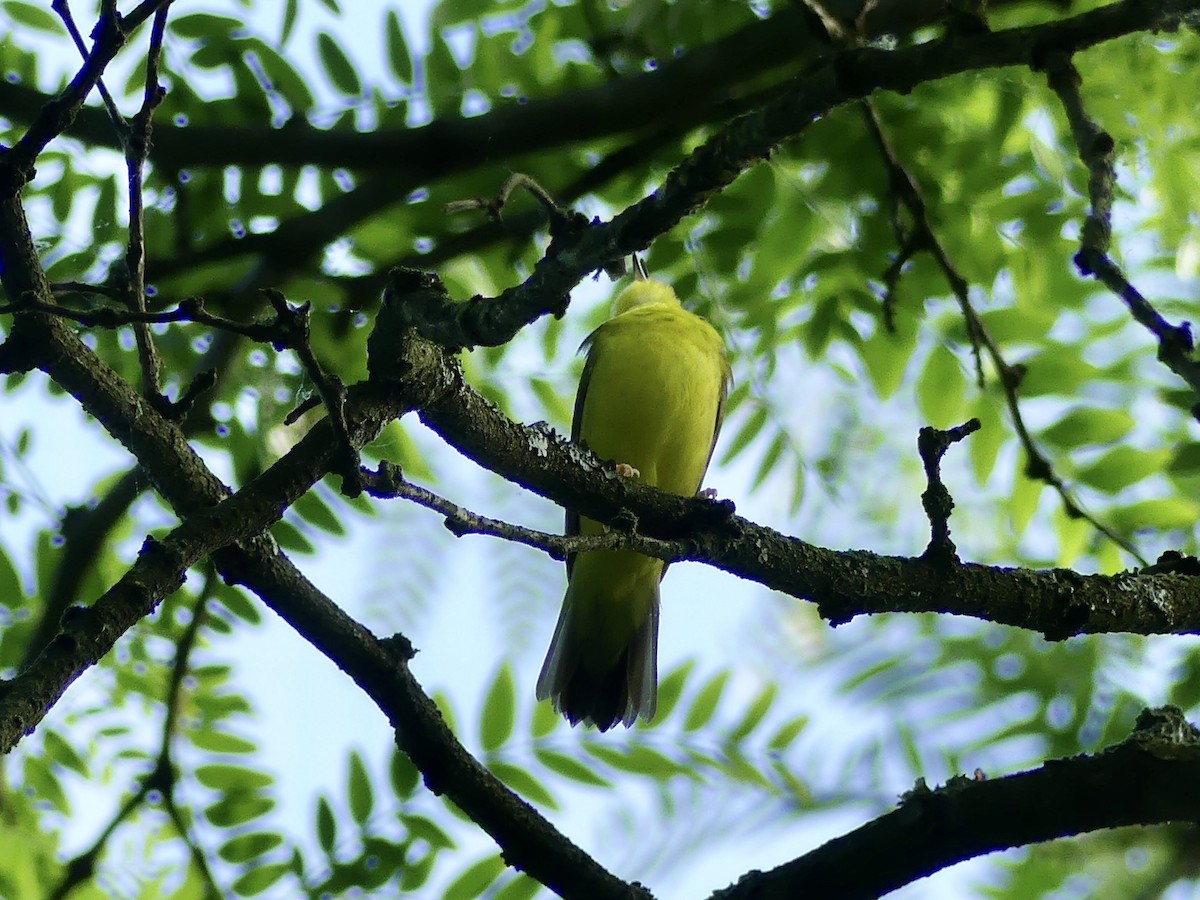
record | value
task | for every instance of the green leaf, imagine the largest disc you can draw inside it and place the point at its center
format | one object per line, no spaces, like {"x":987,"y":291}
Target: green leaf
{"x":233,"y":810}
{"x":557,"y":408}
{"x":545,"y":720}
{"x":1026,"y":494}
{"x":204,"y":26}
{"x":704,"y":706}
{"x":245,"y":847}
{"x":398,"y":55}
{"x":283,"y":78}
{"x":670,"y":689}
{"x":427,"y":830}
{"x":238,"y":604}
{"x":403,"y":774}
{"x":1084,"y":426}
{"x":748,"y":432}
{"x":260,"y":878}
{"x":1165,"y":514}
{"x":941,"y":391}
{"x":291,"y":8}
{"x":499,"y":710}
{"x":291,"y":538}
{"x":1060,"y":371}
{"x":220,"y":742}
{"x":231,"y":778}
{"x":338,"y":66}
{"x":417,"y":872}
{"x":523,"y":783}
{"x":1186,"y":460}
{"x":42,"y":784}
{"x":755,"y":713}
{"x":476,"y":878}
{"x":886,"y":355}
{"x":826,"y":313}
{"x":60,"y":751}
{"x":1074,"y":535}
{"x":570,"y":767}
{"x":639,"y":760}
{"x":985,"y":444}
{"x":316,"y":511}
{"x":362,"y":797}
{"x":521,"y":887}
{"x":767,"y":464}
{"x":326,"y":826}
{"x":1123,"y":466}
{"x":787,"y":734}
{"x":34,"y":17}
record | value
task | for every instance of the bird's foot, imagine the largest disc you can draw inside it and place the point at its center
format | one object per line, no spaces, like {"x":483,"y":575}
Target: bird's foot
{"x":707,"y":494}
{"x":627,"y":471}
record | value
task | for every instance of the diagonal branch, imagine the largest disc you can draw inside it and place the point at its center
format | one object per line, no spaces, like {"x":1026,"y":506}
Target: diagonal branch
{"x":1151,"y":777}
{"x":923,"y":237}
{"x":56,"y":116}
{"x":1096,"y":150}
{"x":390,"y":483}
{"x":852,"y":75}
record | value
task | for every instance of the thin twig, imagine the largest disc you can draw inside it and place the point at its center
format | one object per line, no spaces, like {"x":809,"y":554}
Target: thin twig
{"x":1097,"y":152}
{"x":495,"y":205}
{"x":63,"y":8}
{"x":932,"y":445}
{"x":137,"y":148}
{"x":292,"y":323}
{"x":161,"y":778}
{"x":923,"y":235}
{"x":190,"y":309}
{"x":388,"y":483}
{"x":134,"y":137}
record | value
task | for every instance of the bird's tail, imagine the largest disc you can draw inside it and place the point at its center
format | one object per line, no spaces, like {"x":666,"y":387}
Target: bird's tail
{"x":597,"y":689}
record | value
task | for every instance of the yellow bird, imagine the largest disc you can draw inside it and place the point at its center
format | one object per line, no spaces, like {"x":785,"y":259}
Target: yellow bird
{"x":651,"y":398}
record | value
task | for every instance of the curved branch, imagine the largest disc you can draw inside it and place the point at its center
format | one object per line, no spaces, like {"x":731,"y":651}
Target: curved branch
{"x":1151,"y":777}
{"x":226,"y":527}
{"x":1059,"y":603}
{"x":852,"y":75}
{"x":706,"y":75}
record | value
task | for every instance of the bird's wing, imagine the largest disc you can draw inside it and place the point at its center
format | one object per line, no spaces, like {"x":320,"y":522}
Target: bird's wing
{"x":572,"y":517}
{"x":726,"y":381}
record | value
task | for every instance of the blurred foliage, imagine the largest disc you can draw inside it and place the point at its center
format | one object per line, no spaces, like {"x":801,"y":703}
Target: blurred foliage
{"x":789,"y":264}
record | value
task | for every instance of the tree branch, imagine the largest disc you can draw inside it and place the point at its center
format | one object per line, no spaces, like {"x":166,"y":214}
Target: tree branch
{"x":1151,"y":777}
{"x":852,"y":75}
{"x":693,"y":83}
{"x":1097,"y":151}
{"x":922,"y":236}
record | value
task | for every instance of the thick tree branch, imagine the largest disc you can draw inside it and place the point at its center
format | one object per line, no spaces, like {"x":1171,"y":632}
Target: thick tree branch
{"x":709,"y":74}
{"x":1151,"y":777}
{"x":528,"y":841}
{"x":1058,"y":603}
{"x":852,"y":75}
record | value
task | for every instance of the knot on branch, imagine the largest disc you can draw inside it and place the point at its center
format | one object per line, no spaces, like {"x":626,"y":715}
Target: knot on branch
{"x":932,"y":444}
{"x":1172,"y":562}
{"x":412,"y":299}
{"x":177,"y":410}
{"x":1165,"y":733}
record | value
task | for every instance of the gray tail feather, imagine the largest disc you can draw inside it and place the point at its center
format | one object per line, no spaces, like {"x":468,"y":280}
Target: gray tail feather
{"x":621,"y":693}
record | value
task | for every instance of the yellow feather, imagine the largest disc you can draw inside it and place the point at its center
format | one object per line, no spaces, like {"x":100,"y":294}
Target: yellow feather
{"x":651,"y":397}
